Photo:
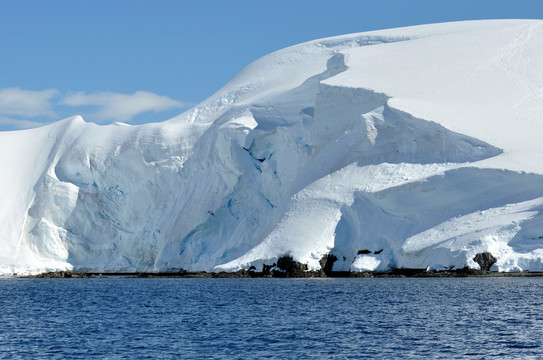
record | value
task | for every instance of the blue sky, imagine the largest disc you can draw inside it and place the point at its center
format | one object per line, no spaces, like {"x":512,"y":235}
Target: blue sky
{"x":140,"y":60}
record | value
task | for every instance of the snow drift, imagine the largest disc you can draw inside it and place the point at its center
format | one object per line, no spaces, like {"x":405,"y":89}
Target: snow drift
{"x":417,"y":147}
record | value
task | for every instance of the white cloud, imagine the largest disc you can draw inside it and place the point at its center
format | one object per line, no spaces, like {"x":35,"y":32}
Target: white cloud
{"x":121,"y":107}
{"x":18,"y":124}
{"x":22,"y":109}
{"x":27,"y":103}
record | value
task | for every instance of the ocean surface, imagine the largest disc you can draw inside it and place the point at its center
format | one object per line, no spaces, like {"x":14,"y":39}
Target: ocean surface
{"x":163,"y":318}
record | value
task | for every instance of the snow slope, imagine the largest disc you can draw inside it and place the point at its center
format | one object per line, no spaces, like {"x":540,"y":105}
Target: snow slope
{"x":415,"y":147}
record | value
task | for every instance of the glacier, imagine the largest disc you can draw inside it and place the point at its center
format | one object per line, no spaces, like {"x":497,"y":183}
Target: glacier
{"x":415,"y":147}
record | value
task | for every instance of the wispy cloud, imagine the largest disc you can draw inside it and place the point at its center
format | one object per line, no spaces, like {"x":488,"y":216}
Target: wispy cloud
{"x":121,"y":107}
{"x":18,"y":124}
{"x":21,"y":109}
{"x":27,"y":103}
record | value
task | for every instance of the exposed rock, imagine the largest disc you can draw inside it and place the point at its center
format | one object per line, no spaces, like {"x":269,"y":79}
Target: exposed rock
{"x":60,"y":274}
{"x":363,"y":252}
{"x":292,"y":268}
{"x":266,"y":269}
{"x":327,"y":262}
{"x":359,"y":274}
{"x":485,"y":260}
{"x":238,"y":274}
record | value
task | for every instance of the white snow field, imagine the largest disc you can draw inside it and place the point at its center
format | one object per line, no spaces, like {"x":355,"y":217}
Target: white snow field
{"x":416,"y":147}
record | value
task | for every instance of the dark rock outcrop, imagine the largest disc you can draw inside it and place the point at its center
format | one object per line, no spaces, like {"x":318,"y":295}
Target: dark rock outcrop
{"x":59,"y":274}
{"x":266,"y":269}
{"x":327,"y":262}
{"x":485,"y":260}
{"x":291,"y":268}
{"x":363,"y":252}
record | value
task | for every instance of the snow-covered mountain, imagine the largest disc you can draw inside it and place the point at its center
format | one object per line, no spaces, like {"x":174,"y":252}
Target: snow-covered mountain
{"x":416,"y":147}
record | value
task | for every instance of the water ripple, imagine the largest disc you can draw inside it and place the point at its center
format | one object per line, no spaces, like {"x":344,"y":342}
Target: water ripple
{"x":272,"y":318}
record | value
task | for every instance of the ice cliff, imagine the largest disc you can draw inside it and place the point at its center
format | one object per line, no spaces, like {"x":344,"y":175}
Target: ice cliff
{"x":416,"y":147}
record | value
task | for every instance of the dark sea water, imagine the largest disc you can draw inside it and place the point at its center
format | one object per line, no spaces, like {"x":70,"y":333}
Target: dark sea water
{"x":381,"y":318}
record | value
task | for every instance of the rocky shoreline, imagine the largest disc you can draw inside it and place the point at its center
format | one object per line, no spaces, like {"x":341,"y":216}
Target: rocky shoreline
{"x":286,"y":267}
{"x":396,"y":273}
